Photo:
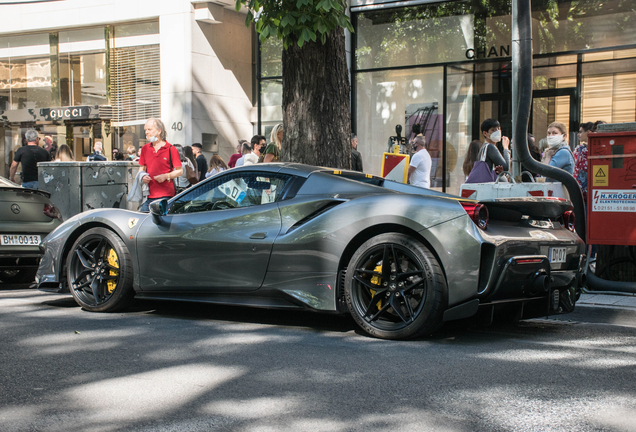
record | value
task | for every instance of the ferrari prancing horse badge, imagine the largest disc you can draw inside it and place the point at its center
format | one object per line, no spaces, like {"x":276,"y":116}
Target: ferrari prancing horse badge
{"x":132,"y":222}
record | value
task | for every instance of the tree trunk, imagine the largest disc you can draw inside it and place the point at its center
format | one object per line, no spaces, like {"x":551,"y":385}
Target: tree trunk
{"x":316,"y":103}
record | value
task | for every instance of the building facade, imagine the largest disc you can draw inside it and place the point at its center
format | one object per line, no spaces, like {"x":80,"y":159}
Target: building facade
{"x":83,"y":72}
{"x":446,"y":66}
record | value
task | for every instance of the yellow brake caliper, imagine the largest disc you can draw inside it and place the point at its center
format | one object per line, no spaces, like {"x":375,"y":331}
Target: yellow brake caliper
{"x":112,"y":260}
{"x":377,"y":280}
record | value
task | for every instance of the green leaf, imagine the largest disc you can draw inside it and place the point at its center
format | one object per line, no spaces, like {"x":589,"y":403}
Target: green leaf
{"x":265,"y":32}
{"x":249,"y":18}
{"x":301,"y":41}
{"x":238,"y":5}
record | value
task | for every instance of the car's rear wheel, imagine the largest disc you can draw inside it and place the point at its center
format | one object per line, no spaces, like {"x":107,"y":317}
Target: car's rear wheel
{"x":99,"y":271}
{"x":18,"y":276}
{"x":395,"y":288}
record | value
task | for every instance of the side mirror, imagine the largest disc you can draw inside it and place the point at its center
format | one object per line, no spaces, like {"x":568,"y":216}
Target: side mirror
{"x":158,"y":209}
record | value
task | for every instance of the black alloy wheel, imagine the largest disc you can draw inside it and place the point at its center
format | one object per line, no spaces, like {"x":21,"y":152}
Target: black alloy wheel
{"x":395,"y":288}
{"x":99,"y":271}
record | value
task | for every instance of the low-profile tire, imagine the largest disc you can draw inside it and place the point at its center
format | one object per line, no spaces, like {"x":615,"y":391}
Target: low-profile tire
{"x":18,"y":276}
{"x":99,"y":271}
{"x":395,"y":288}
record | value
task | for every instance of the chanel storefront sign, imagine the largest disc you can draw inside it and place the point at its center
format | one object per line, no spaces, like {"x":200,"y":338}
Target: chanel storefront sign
{"x":67,"y":113}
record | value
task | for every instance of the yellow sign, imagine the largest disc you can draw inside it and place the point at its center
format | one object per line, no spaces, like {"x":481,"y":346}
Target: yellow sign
{"x":600,"y":175}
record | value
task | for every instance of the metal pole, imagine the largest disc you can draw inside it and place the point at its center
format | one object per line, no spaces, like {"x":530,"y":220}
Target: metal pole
{"x":516,"y":165}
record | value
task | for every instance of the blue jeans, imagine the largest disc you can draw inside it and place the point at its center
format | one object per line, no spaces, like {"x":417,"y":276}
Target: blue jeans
{"x":30,"y":185}
{"x":145,"y":206}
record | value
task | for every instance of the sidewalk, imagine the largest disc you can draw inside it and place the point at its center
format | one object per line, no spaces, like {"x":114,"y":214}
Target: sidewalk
{"x":626,"y":301}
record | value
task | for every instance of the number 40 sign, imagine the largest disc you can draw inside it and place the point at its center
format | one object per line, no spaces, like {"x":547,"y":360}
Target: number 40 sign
{"x":177,"y":126}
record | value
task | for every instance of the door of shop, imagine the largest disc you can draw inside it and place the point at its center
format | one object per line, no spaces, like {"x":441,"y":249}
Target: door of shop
{"x":547,"y":106}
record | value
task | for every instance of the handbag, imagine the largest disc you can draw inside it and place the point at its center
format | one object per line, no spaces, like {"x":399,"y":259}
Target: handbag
{"x":481,"y":172}
{"x":191,"y":175}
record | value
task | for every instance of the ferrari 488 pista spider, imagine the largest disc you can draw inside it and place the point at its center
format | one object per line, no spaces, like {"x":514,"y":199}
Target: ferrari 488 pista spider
{"x":400,"y":259}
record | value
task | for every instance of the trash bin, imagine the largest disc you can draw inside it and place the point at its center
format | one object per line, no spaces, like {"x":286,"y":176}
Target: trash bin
{"x":79,"y":186}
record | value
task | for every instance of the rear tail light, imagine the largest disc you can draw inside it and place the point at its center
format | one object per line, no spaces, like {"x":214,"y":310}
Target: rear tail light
{"x":478,"y":213}
{"x":569,"y":220}
{"x":51,"y":211}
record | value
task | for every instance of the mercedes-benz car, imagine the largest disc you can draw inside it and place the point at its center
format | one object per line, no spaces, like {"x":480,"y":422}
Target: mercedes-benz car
{"x":26,"y":217}
{"x":400,"y":259}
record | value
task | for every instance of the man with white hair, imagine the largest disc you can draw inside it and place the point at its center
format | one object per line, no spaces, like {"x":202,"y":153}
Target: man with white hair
{"x":421,"y":162}
{"x":29,"y":155}
{"x":97,"y":155}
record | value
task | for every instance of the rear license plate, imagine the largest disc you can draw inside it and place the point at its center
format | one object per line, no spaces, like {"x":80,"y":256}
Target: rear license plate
{"x":19,"y":240}
{"x":557,"y":254}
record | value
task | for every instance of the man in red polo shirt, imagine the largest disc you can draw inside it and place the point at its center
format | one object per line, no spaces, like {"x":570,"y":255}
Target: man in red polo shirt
{"x":161,"y":161}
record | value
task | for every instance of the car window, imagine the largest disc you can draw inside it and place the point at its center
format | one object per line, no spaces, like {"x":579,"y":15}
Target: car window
{"x":232,"y":190}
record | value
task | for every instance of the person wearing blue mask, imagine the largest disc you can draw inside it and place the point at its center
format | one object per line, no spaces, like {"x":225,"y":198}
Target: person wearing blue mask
{"x":558,"y":153}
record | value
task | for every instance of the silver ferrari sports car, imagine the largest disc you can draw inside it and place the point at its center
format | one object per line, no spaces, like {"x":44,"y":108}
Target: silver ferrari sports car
{"x":400,"y":259}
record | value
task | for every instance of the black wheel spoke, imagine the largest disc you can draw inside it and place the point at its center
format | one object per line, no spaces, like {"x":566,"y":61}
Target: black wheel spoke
{"x":368,"y":284}
{"x":369,"y":272}
{"x":386,"y":264}
{"x":397,"y":307}
{"x":406,"y":275}
{"x":82,"y":285}
{"x":96,"y":288}
{"x":395,"y":259}
{"x":409,"y":309}
{"x":99,"y":250}
{"x":82,"y":276}
{"x":80,"y":251}
{"x":110,"y":277}
{"x":378,"y":313}
{"x":413,"y":286}
{"x":373,"y":304}
{"x":110,"y":267}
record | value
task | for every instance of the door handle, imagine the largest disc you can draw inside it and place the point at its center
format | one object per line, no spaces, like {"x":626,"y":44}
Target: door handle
{"x":258,"y":236}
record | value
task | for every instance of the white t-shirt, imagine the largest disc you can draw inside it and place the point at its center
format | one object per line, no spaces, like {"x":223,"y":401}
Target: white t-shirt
{"x":214,"y":171}
{"x":182,"y":181}
{"x":240,"y":161}
{"x":250,"y":159}
{"x":422,"y":175}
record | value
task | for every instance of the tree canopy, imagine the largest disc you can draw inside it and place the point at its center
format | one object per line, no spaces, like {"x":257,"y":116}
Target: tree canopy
{"x":295,"y":21}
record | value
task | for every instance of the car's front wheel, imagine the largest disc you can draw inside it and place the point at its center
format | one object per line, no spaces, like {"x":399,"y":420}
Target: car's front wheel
{"x":99,"y":271}
{"x":395,"y":288}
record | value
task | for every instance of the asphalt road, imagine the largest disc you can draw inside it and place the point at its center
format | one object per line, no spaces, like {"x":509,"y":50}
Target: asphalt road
{"x":187,"y":367}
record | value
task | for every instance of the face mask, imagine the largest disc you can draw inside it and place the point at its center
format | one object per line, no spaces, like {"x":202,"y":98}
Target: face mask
{"x":153,"y":139}
{"x":554,"y":139}
{"x":495,"y":136}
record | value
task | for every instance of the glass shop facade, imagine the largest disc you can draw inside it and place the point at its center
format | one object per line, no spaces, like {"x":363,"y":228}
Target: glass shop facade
{"x":79,"y":86}
{"x":447,"y":67}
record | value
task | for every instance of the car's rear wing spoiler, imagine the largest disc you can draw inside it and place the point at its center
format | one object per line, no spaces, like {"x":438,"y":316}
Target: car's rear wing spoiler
{"x":26,"y":190}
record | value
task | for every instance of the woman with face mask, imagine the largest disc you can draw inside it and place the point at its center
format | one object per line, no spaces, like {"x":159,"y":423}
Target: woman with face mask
{"x":496,"y":160}
{"x":558,"y":153}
